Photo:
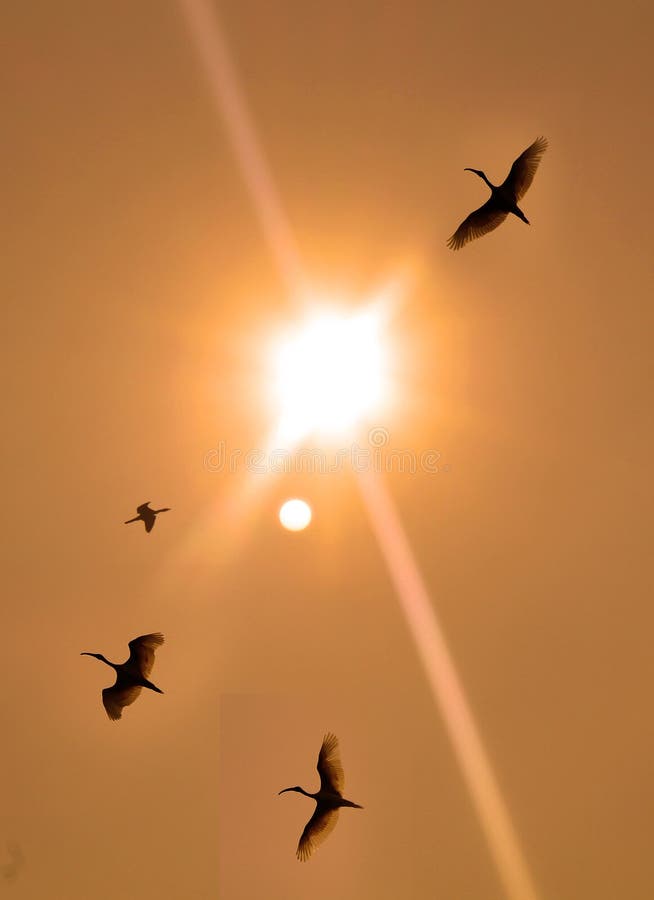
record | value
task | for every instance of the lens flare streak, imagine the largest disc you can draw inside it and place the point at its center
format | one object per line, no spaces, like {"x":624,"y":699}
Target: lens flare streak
{"x":446,"y":687}
{"x":204,"y":25}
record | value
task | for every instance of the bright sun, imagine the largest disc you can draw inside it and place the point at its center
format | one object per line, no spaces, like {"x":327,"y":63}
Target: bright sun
{"x":329,"y":375}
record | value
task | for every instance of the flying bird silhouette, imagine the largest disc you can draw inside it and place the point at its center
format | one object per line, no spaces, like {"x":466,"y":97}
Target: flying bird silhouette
{"x":503,"y":199}
{"x":147,"y":515}
{"x":328,"y":799}
{"x":131,"y":675}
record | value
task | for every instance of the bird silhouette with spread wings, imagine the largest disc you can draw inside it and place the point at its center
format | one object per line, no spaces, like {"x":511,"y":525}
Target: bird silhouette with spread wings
{"x":328,"y":799}
{"x":503,"y":199}
{"x":147,"y":515}
{"x":131,"y":675}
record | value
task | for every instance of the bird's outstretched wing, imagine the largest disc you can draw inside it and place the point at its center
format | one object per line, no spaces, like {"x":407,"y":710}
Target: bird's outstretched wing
{"x":329,"y":765}
{"x":478,"y":223}
{"x":320,"y":825}
{"x":118,"y":696}
{"x":524,"y":168}
{"x":143,"y":508}
{"x":141,"y":652}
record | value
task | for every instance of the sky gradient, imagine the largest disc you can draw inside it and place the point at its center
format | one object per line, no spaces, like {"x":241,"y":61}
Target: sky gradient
{"x":142,"y":298}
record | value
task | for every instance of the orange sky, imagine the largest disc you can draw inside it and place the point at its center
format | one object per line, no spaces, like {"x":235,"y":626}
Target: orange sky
{"x":140,"y":300}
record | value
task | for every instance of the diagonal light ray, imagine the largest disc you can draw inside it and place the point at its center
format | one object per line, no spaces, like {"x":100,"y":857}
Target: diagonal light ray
{"x":416,"y":605}
{"x":214,"y":55}
{"x":446,"y":687}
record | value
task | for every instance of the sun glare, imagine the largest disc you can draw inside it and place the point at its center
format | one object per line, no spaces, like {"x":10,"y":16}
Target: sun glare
{"x":329,"y":375}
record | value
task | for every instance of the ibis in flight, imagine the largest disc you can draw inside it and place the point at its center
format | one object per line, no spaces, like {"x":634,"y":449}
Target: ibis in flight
{"x":131,"y":675}
{"x":503,"y":199}
{"x":328,"y":799}
{"x":147,"y":515}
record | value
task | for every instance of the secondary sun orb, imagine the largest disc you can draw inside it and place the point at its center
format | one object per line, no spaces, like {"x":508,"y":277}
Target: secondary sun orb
{"x":295,"y":514}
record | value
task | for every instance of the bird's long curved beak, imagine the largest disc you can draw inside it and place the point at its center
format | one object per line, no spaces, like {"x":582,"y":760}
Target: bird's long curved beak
{"x":284,"y":791}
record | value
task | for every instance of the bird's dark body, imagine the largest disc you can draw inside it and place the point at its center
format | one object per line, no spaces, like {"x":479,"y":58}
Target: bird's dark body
{"x":503,"y":197}
{"x":336,"y":800}
{"x":133,"y":676}
{"x":325,"y":799}
{"x":506,"y":200}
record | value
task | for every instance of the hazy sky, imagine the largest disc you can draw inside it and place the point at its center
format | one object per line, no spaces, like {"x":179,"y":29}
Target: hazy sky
{"x":141,"y":299}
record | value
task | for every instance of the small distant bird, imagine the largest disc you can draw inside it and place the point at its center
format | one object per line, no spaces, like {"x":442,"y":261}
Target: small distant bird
{"x":10,"y":870}
{"x":132,"y":675}
{"x":503,"y":199}
{"x":147,"y":515}
{"x":328,"y":799}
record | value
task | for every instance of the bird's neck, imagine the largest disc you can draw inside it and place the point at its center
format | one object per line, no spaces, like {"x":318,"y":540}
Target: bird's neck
{"x":483,"y":175}
{"x":103,"y":659}
{"x":306,"y":793}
